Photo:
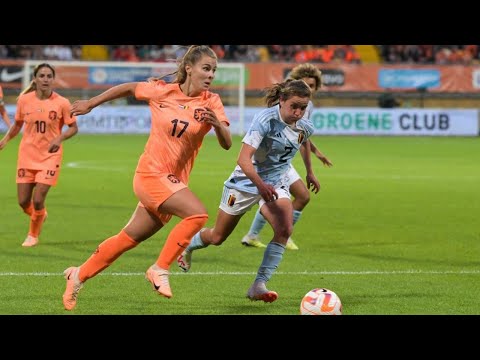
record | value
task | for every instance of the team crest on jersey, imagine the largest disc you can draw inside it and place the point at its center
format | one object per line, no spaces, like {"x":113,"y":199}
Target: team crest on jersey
{"x":231,"y":200}
{"x":197,"y":114}
{"x":173,"y":179}
{"x":21,"y":173}
{"x":52,"y":115}
{"x":184,"y":107}
{"x":301,"y":137}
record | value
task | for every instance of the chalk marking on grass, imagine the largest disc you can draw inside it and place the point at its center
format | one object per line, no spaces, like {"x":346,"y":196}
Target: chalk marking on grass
{"x":89,"y":165}
{"x":402,"y":177}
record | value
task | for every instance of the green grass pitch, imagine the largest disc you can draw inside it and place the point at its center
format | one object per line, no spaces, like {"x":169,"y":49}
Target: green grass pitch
{"x":394,"y":230}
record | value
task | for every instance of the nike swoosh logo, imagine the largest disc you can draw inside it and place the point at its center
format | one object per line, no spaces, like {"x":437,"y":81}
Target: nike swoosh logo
{"x":184,"y":247}
{"x":5,"y":76}
{"x":155,"y":286}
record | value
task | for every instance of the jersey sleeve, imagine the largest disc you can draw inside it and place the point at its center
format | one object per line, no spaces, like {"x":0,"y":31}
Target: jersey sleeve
{"x":257,"y":131}
{"x":309,"y":111}
{"x":67,"y":118}
{"x":217,"y":106}
{"x":308,"y":128}
{"x":147,"y":90}
{"x":19,"y":115}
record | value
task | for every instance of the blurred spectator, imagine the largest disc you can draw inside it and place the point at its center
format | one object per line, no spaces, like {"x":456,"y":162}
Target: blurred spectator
{"x":387,"y":101}
{"x":263,"y":55}
{"x":307,"y":53}
{"x":245,"y":53}
{"x":340,"y":54}
{"x":3,"y":52}
{"x":156,"y":54}
{"x":170,"y":52}
{"x":351,"y":55}
{"x":125,"y":53}
{"x":218,"y":50}
{"x":77,"y":52}
{"x":275,"y":52}
{"x":58,"y":52}
{"x":95,"y":52}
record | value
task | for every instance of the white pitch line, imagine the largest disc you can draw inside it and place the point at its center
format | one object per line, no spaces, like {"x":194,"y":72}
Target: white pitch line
{"x":79,"y":165}
{"x":307,"y":273}
{"x":402,"y":177}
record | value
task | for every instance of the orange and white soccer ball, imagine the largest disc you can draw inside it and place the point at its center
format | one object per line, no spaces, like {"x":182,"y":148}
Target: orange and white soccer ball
{"x":321,"y":302}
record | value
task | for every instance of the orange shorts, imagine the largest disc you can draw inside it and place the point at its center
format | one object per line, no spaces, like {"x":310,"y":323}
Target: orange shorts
{"x":29,"y":176}
{"x":154,"y":189}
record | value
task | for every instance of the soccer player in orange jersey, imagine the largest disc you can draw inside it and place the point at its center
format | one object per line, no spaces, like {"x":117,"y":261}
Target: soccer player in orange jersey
{"x":3,"y":111}
{"x":44,"y":113}
{"x":183,"y":112}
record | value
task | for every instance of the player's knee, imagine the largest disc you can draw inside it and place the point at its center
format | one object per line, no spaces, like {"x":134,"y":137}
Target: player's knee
{"x":38,"y":204}
{"x":217,"y":239}
{"x":24,"y":204}
{"x":283,"y":230}
{"x":303,"y":199}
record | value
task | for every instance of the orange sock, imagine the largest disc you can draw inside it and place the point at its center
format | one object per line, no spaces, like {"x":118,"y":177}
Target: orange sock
{"x":36,"y":222}
{"x":29,"y":209}
{"x":107,"y":252}
{"x":179,"y":238}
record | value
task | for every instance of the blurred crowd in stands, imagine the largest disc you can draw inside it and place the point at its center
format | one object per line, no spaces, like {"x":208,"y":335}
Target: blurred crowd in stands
{"x":418,"y":54}
{"x":430,"y":54}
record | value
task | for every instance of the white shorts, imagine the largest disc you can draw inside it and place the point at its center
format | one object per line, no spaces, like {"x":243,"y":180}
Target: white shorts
{"x":292,"y":175}
{"x":235,"y":202}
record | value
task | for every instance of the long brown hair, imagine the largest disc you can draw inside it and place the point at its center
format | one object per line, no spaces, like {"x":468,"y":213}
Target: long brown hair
{"x":307,"y":71}
{"x":286,"y":90}
{"x":191,"y":57}
{"x":33,"y":86}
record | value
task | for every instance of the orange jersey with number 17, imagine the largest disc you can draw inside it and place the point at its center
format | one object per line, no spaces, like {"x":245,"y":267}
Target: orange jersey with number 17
{"x":176,"y":133}
{"x":43,"y":122}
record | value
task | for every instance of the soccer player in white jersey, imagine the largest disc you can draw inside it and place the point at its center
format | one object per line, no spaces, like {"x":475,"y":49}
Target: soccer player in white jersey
{"x":313,"y":77}
{"x":261,"y":177}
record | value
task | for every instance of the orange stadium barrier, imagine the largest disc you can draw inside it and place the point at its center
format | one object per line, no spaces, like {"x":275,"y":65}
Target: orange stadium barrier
{"x":375,"y":78}
{"x":336,"y":77}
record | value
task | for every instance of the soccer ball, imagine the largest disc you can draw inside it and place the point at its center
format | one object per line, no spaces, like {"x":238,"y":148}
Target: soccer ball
{"x":321,"y":302}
